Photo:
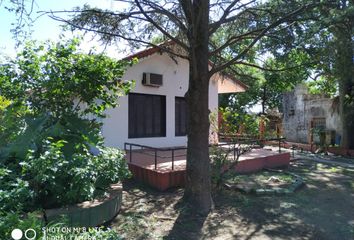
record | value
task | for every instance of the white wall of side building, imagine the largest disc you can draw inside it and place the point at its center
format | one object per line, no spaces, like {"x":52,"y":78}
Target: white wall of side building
{"x":175,"y":84}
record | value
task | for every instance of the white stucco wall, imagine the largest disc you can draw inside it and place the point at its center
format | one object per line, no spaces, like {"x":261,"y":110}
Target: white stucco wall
{"x":175,"y":83}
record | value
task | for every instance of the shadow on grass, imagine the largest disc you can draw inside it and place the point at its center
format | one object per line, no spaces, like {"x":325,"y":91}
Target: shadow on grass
{"x":142,"y":209}
{"x":188,"y":224}
{"x":320,"y":210}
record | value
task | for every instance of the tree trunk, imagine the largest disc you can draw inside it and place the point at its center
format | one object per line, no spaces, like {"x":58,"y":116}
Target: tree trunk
{"x":264,"y":99}
{"x":198,"y":183}
{"x":344,"y":67}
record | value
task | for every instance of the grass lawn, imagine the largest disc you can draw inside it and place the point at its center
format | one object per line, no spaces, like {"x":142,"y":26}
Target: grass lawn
{"x":322,"y":209}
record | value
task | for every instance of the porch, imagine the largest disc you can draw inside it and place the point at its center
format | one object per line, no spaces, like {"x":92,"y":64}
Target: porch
{"x":163,"y":168}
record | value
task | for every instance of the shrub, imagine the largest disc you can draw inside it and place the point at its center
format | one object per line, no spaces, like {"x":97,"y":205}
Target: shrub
{"x":59,"y":180}
{"x":223,"y":161}
{"x":219,"y":160}
{"x":13,"y":187}
{"x":110,"y":167}
{"x":238,"y":122}
{"x":10,"y":221}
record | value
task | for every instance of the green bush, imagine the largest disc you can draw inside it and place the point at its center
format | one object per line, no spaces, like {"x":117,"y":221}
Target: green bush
{"x":238,"y":122}
{"x":110,"y":167}
{"x":10,"y":221}
{"x":219,"y":161}
{"x":59,"y":180}
{"x":14,"y":187}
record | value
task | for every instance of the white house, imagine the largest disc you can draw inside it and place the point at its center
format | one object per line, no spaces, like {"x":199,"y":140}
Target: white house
{"x":155,"y":115}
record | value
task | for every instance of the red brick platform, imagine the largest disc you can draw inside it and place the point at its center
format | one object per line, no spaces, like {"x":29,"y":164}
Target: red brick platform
{"x":142,"y":165}
{"x":257,"y":159}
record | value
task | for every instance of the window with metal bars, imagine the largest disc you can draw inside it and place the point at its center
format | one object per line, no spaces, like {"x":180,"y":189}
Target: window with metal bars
{"x":147,"y":115}
{"x":180,"y":116}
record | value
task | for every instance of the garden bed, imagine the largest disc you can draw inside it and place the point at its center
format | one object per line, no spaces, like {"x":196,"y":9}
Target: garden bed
{"x":265,"y":182}
{"x":90,"y":213}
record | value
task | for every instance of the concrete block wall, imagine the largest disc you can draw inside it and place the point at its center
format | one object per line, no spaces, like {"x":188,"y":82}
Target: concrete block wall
{"x":300,"y":107}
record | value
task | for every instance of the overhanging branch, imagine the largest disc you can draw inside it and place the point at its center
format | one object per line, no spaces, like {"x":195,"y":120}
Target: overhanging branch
{"x":256,"y":39}
{"x":158,"y":27}
{"x":131,"y":39}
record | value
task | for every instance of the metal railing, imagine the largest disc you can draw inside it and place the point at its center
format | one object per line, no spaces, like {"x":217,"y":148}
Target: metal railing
{"x":130,"y":147}
{"x":234,"y":148}
{"x":250,"y":138}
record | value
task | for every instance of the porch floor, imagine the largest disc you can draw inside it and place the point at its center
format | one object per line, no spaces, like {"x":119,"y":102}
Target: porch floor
{"x":142,"y":165}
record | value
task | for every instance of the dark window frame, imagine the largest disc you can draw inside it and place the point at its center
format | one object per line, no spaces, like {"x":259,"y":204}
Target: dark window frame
{"x":180,"y":127}
{"x":149,"y":120}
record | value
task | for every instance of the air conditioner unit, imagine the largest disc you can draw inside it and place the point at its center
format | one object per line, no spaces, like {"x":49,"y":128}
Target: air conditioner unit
{"x":152,"y":79}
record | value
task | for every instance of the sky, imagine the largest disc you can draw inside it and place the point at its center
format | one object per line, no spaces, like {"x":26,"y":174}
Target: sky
{"x":46,"y":28}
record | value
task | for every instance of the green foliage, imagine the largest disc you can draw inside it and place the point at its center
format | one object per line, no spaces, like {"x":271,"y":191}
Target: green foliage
{"x":3,"y":104}
{"x":110,"y":167}
{"x":234,"y":122}
{"x":58,"y":79}
{"x":58,"y":180}
{"x":11,"y":121}
{"x":51,"y":179}
{"x":37,"y":128}
{"x":322,"y":85}
{"x":53,"y":88}
{"x":266,"y":87}
{"x":14,"y":187}
{"x":317,"y":37}
{"x":223,"y":161}
{"x":10,"y":221}
{"x":241,"y":102}
{"x":107,"y":234}
{"x":219,"y":161}
{"x":293,"y":70}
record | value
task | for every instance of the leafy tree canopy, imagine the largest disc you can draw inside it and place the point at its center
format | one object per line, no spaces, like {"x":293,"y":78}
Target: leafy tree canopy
{"x":56,"y":78}
{"x":53,"y":89}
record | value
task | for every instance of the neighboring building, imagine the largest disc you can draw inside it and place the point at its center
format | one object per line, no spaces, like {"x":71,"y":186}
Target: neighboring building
{"x":304,"y":111}
{"x":156,"y":115}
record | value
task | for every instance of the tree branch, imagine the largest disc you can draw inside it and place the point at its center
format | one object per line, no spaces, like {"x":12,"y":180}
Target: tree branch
{"x":131,"y":39}
{"x":187,"y":9}
{"x":214,"y":26}
{"x":256,"y":39}
{"x":173,"y":18}
{"x":233,"y":40}
{"x":158,"y":27}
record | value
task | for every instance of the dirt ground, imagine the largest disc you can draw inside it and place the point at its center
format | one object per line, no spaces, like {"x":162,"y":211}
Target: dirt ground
{"x":322,"y":209}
